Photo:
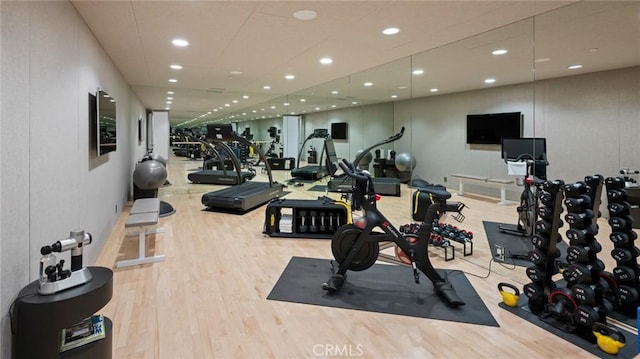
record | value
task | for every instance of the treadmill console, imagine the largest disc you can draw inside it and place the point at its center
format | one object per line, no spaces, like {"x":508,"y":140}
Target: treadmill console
{"x":320,"y":133}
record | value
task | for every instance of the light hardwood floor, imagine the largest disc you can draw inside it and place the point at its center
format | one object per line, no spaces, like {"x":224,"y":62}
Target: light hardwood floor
{"x":208,"y":298}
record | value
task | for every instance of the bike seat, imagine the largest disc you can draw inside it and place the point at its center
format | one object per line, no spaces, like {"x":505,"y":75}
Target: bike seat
{"x":438,"y":193}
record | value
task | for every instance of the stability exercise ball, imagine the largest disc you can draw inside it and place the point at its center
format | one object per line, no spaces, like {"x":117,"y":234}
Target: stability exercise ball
{"x":159,"y":159}
{"x":405,"y":162}
{"x":149,"y":174}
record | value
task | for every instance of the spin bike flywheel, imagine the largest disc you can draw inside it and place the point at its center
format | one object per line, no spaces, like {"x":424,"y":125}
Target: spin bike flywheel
{"x":342,"y":242}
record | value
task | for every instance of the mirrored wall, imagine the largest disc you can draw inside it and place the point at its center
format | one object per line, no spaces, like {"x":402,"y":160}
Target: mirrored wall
{"x":571,"y":75}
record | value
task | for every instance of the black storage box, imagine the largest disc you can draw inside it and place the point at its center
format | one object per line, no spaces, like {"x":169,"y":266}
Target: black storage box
{"x":277,"y":164}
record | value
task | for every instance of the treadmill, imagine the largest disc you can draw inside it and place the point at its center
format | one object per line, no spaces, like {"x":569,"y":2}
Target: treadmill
{"x":313,"y":171}
{"x":245,"y":196}
{"x":221,"y":177}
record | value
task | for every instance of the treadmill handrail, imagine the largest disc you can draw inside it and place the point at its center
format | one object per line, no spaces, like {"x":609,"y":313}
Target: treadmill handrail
{"x":225,"y":132}
{"x":392,"y":138}
{"x":217,"y":154}
{"x":234,"y":159}
{"x":311,"y":136}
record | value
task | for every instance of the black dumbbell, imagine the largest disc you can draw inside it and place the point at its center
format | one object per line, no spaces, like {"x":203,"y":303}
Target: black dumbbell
{"x":537,"y":273}
{"x":537,"y":256}
{"x":585,"y":293}
{"x":593,"y":181}
{"x":582,"y":254}
{"x":578,"y":204}
{"x":622,"y":238}
{"x":624,"y":273}
{"x":540,"y":241}
{"x":620,"y":223}
{"x":587,"y":315}
{"x":579,"y":220}
{"x":544,"y":227}
{"x":619,"y":209}
{"x":623,"y":255}
{"x":582,"y":273}
{"x":553,"y":186}
{"x":537,"y":298}
{"x":546,"y":213}
{"x":575,"y":189}
{"x":616,"y":195}
{"x":323,"y":224}
{"x":614,"y":182}
{"x":627,"y":294}
{"x":582,"y":235}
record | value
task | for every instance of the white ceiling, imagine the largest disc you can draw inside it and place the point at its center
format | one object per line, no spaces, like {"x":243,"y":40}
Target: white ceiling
{"x":264,"y":41}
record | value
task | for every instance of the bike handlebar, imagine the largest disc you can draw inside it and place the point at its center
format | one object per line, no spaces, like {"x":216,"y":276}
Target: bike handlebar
{"x":350,"y":170}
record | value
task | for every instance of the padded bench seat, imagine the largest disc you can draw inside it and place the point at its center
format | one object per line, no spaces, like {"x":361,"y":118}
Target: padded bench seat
{"x":144,"y":216}
{"x":496,"y":182}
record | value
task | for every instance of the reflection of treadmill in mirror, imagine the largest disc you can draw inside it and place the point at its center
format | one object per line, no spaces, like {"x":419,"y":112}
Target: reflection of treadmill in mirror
{"x":531,"y":154}
{"x":221,"y":176}
{"x":312,"y":171}
{"x":244,"y":196}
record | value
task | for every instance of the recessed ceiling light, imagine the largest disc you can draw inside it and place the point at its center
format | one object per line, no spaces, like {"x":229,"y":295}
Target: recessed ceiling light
{"x":305,"y":14}
{"x":173,"y":80}
{"x":326,"y":60}
{"x":368,"y":84}
{"x":394,"y":96}
{"x":334,"y":92}
{"x":595,"y":49}
{"x":391,"y":31}
{"x":235,"y":72}
{"x":176,"y":67}
{"x":169,"y":98}
{"x":289,"y":77}
{"x":354,"y":102}
{"x":402,"y":87}
{"x":254,"y":111}
{"x":226,"y":105}
{"x":286,"y":104}
{"x":418,"y":72}
{"x":317,"y":108}
{"x":235,"y":101}
{"x":180,"y":42}
{"x":333,"y":106}
{"x":303,"y":100}
{"x":489,"y":80}
{"x":169,"y":102}
{"x":169,"y":92}
{"x":573,"y":67}
{"x":167,"y":108}
{"x":273,"y":107}
{"x":215,"y":110}
{"x":267,"y":87}
{"x":542,"y":59}
{"x":245,"y":96}
{"x":500,"y":52}
{"x":434,"y":90}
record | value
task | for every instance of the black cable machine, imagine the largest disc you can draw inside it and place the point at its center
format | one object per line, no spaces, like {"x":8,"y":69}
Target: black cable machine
{"x":217,"y":176}
{"x":244,"y":196}
{"x":312,"y":172}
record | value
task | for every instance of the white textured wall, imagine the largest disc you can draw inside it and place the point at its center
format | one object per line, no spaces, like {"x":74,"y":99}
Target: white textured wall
{"x":49,"y":183}
{"x":591,"y":123}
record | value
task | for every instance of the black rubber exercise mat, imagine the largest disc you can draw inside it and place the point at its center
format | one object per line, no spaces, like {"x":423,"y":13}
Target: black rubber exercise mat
{"x":381,"y":288}
{"x":514,"y":245}
{"x":630,"y":349}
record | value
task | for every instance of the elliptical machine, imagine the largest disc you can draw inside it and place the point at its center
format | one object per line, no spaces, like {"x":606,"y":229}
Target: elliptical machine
{"x":356,"y":246}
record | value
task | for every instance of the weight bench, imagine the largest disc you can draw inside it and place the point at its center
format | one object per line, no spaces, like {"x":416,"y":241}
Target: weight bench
{"x":144,"y":216}
{"x":496,"y":182}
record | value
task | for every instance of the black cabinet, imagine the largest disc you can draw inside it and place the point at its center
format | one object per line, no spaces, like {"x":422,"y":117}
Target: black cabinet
{"x":38,"y":319}
{"x":302,"y":218}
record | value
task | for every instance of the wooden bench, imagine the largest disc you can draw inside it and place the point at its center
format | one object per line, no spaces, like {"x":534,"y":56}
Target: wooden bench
{"x":143,"y":217}
{"x":496,"y":182}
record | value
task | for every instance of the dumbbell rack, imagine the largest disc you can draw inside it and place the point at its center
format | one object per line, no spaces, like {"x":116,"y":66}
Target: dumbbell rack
{"x":301,"y":218}
{"x":625,"y":252}
{"x":543,"y":255}
{"x":581,"y":303}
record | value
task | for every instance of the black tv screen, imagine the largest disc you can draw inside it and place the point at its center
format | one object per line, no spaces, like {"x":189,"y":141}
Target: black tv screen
{"x":536,"y":148}
{"x":491,"y":128}
{"x":339,"y":130}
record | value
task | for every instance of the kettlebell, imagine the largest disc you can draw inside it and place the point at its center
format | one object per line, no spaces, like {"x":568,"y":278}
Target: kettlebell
{"x":508,"y":298}
{"x":610,"y":340}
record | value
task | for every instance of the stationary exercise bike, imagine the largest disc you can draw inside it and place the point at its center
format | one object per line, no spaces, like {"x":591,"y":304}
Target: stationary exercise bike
{"x":356,"y":246}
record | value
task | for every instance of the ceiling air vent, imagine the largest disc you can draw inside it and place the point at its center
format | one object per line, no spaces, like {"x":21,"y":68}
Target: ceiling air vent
{"x":215,"y":90}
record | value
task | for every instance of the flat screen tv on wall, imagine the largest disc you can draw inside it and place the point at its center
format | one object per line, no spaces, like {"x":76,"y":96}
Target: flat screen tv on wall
{"x":339,"y":130}
{"x":491,"y":128}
